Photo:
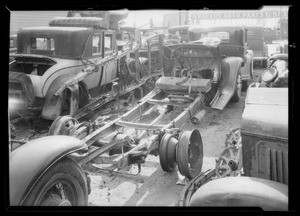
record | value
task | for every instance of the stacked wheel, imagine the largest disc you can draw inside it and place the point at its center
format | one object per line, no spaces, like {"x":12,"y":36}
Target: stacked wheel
{"x":186,"y":152}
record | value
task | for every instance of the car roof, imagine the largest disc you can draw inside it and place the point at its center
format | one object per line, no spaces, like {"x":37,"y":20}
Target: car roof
{"x":216,"y":28}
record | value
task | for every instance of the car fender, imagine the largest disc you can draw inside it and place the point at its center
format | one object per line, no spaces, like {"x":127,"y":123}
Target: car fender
{"x":26,"y":83}
{"x":29,"y":162}
{"x":242,"y":191}
{"x":53,"y":104}
{"x":230,"y":68}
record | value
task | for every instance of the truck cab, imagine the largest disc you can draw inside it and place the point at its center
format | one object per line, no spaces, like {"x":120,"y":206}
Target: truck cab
{"x":233,"y":42}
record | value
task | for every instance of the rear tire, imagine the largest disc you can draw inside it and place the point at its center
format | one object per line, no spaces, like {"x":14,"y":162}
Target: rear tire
{"x":264,"y":63}
{"x":238,"y":90}
{"x":245,"y":85}
{"x":70,"y":178}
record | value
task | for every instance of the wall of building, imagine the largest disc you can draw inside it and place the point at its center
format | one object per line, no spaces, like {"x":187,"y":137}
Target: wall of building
{"x":21,"y":19}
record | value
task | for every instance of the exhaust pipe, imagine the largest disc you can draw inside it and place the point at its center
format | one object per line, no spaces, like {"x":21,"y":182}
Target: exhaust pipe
{"x":197,"y":118}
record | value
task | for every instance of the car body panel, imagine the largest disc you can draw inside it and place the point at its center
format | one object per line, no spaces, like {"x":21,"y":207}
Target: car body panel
{"x":264,"y":131}
{"x":242,"y":191}
{"x":28,"y":162}
{"x":234,"y":45}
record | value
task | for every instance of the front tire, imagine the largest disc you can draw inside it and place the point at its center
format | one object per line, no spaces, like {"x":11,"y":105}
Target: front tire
{"x":64,"y":184}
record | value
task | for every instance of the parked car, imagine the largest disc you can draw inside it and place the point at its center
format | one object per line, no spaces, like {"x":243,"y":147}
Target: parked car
{"x":51,"y":177}
{"x":256,"y":42}
{"x":253,"y":168}
{"x":233,"y":44}
{"x":70,"y":49}
{"x":202,"y":66}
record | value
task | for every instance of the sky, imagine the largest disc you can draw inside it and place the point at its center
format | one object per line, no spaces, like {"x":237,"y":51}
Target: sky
{"x":142,"y":17}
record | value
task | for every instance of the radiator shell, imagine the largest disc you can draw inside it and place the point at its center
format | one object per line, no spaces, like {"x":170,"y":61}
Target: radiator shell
{"x":264,"y":131}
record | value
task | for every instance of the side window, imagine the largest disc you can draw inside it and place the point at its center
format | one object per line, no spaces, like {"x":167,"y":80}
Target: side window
{"x":108,"y":43}
{"x":42,"y":44}
{"x":96,"y":44}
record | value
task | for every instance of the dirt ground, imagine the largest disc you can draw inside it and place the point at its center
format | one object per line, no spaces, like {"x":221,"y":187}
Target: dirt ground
{"x":153,"y":186}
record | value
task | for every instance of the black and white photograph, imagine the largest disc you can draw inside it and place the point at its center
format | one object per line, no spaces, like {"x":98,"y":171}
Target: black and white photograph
{"x":149,"y":108}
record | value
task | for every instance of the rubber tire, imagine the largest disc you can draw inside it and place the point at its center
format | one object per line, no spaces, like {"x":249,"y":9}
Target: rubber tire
{"x":245,"y":85}
{"x":264,"y":63}
{"x":64,"y":169}
{"x":237,"y":93}
{"x":163,"y":152}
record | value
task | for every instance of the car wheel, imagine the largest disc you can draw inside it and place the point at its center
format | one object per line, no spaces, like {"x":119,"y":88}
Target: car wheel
{"x":64,"y":184}
{"x":264,"y":63}
{"x":245,"y":84}
{"x":238,"y":90}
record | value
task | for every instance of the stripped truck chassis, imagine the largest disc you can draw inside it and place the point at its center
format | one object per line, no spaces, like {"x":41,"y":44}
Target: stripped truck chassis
{"x":156,"y":136}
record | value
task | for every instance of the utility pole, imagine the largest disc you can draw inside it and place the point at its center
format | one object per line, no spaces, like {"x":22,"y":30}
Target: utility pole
{"x":281,"y":24}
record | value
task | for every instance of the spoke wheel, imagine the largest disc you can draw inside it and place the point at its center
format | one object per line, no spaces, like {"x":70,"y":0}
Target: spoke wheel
{"x":172,"y":51}
{"x":189,"y":153}
{"x":63,"y":125}
{"x":63,"y":184}
{"x":167,"y":152}
{"x":229,"y":162}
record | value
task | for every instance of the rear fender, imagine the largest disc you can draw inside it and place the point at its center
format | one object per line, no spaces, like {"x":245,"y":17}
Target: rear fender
{"x":29,"y":162}
{"x":242,"y":191}
{"x":26,"y":83}
{"x":53,"y":104}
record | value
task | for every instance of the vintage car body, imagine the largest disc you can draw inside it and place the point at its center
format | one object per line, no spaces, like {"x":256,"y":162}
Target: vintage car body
{"x":256,"y":42}
{"x":233,"y":43}
{"x":265,"y":134}
{"x":206,"y":63}
{"x":52,"y":55}
{"x":264,"y":151}
{"x":25,"y":170}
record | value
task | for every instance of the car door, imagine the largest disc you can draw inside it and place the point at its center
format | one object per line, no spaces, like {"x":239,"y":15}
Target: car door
{"x":95,"y":54}
{"x":110,"y":68}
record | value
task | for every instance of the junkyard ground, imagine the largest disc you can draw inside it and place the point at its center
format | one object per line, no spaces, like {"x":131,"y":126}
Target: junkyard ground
{"x":153,"y":186}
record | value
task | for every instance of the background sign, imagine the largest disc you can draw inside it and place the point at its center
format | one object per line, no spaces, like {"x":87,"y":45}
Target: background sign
{"x":239,"y":15}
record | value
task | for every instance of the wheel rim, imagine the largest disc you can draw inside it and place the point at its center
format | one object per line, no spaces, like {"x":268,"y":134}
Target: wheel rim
{"x":59,"y":193}
{"x":167,"y":151}
{"x":63,"y":125}
{"x":189,"y":153}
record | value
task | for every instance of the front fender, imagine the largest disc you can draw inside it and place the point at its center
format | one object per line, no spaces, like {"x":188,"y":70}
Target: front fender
{"x":242,"y":191}
{"x":230,"y":68}
{"x":29,"y":162}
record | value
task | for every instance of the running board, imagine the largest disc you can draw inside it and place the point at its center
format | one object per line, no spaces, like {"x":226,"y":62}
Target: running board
{"x":220,"y":100}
